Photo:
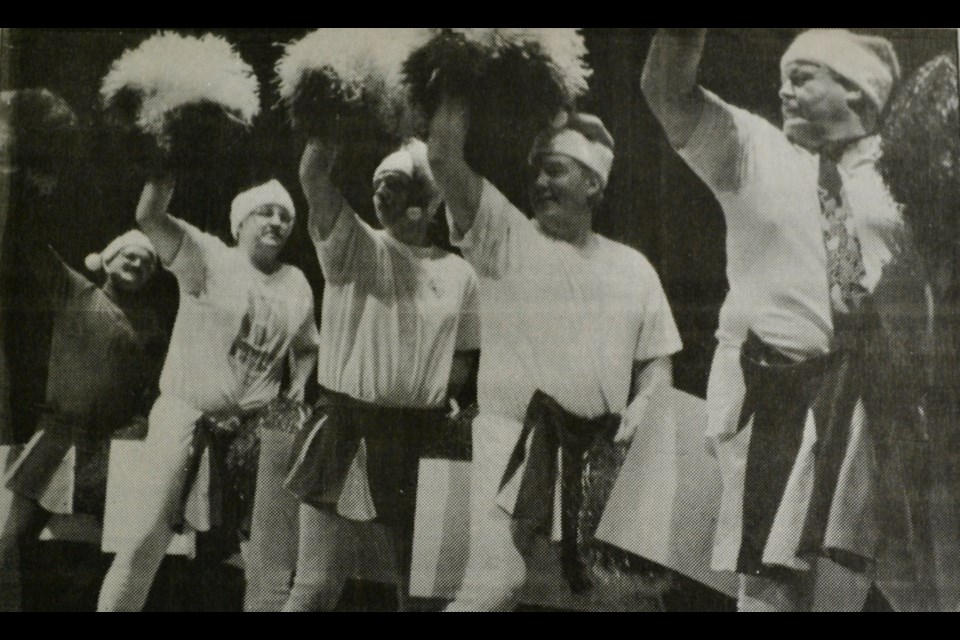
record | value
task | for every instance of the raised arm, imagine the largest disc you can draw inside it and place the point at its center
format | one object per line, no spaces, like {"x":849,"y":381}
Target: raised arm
{"x":323,"y":199}
{"x":459,"y":184}
{"x":669,"y":81}
{"x":152,"y":217}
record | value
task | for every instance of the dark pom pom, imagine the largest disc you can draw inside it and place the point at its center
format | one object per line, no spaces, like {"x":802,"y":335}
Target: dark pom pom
{"x":921,"y":155}
{"x":200,"y":134}
{"x":514,"y":81}
{"x":448,"y":63}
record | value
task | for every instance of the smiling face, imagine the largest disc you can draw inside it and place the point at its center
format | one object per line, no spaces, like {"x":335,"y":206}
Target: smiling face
{"x":400,"y":209}
{"x":560,"y":191}
{"x":817,"y":105}
{"x":265,"y":230}
{"x":391,"y":197}
{"x":131,"y":269}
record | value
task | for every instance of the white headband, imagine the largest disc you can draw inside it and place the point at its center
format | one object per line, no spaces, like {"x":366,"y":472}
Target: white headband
{"x":249,"y":201}
{"x":134,"y":238}
{"x":869,"y":62}
{"x":568,"y":142}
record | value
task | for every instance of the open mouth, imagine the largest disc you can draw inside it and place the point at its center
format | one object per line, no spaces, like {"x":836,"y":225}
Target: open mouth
{"x":272,"y":237}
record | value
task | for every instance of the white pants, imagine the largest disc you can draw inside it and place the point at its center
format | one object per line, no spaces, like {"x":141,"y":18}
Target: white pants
{"x":330,"y":548}
{"x":495,"y":570}
{"x":131,"y":575}
{"x":272,"y":553}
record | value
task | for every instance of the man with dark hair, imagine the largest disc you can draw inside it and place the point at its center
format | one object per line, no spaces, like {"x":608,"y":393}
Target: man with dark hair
{"x":573,"y":326}
{"x":794,"y":414}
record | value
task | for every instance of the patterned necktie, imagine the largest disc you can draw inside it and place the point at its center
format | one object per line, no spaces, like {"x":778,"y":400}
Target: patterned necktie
{"x":845,"y":272}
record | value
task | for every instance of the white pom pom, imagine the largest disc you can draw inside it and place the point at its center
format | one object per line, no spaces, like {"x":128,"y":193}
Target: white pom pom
{"x":93,"y":262}
{"x":169,"y":70}
{"x":564,"y":47}
{"x":365,"y":60}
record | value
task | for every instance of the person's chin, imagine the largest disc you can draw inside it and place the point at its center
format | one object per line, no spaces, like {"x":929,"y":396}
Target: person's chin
{"x":802,"y":132}
{"x":127,"y":283}
{"x":390,"y":219}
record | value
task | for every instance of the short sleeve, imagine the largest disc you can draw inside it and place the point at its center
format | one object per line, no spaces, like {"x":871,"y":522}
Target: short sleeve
{"x":719,"y":149}
{"x":191,"y":266}
{"x":498,"y":223}
{"x":658,"y":331}
{"x":349,"y":250}
{"x":468,"y":329}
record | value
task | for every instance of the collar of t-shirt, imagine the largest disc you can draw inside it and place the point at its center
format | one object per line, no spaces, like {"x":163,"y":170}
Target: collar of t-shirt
{"x":586,"y":250}
{"x":413,"y":251}
{"x":857,"y":153}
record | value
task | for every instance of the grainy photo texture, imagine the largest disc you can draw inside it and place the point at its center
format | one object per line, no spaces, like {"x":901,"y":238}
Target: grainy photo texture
{"x":483,"y":319}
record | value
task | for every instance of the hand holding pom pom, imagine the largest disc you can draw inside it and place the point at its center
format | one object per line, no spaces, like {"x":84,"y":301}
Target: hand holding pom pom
{"x":513,"y":81}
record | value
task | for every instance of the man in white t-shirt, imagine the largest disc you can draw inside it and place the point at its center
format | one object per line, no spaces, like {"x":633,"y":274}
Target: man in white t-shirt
{"x":399,"y":333}
{"x":566,"y":314}
{"x":810,"y":228}
{"x":243,"y":317}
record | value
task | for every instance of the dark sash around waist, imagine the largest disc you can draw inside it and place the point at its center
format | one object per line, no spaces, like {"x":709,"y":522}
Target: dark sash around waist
{"x":56,"y":433}
{"x":326,"y":446}
{"x":549,"y":427}
{"x":233,"y":440}
{"x":779,"y":395}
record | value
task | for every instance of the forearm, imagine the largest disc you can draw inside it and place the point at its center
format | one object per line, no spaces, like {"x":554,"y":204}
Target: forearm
{"x":651,"y":376}
{"x":325,"y":205}
{"x":669,"y":81}
{"x":302,"y":365}
{"x":152,"y":217}
{"x":458,"y":183}
{"x":324,"y":200}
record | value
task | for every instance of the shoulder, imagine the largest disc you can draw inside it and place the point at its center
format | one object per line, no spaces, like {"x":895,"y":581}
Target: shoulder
{"x":457,"y":267}
{"x":621,"y":254}
{"x":631,"y":266}
{"x":292,"y":277}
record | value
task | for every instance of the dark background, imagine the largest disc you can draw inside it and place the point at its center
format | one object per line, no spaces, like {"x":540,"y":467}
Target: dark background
{"x":654,"y":202}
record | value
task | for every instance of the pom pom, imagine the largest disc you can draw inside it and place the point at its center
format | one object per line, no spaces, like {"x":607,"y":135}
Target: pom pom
{"x":469,"y":62}
{"x":186,"y":95}
{"x":338,"y":79}
{"x":38,"y":129}
{"x":514,"y":80}
{"x":921,"y":155}
{"x":93,"y":262}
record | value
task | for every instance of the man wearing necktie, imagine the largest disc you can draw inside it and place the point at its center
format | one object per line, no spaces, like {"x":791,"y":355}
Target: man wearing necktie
{"x":797,"y":416}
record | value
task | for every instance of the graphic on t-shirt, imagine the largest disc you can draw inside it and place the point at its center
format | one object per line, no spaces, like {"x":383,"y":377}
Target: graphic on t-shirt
{"x":259,"y":343}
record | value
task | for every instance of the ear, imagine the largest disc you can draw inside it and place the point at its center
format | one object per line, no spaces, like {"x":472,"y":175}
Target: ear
{"x":855,"y":96}
{"x":594,"y":184}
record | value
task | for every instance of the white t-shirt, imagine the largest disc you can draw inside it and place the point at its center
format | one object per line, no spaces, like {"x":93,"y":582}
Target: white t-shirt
{"x":566,"y":320}
{"x":776,"y":261}
{"x":234,"y":327}
{"x":392,"y":316}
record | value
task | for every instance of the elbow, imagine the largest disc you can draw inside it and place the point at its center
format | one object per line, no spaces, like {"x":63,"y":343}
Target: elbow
{"x":648,"y":82}
{"x":443,"y":165}
{"x":438,"y":157}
